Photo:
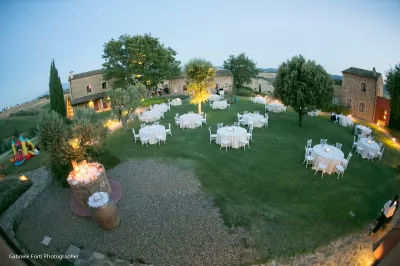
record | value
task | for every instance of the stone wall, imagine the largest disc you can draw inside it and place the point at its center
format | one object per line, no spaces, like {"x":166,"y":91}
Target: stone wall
{"x":352,"y":90}
{"x":78,"y":86}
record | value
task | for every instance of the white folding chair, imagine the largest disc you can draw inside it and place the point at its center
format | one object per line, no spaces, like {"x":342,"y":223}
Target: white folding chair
{"x":309,"y":145}
{"x":243,"y":142}
{"x":339,"y":169}
{"x":224,"y":144}
{"x":145,"y":140}
{"x":136,"y":137}
{"x":355,"y":143}
{"x":142,"y":125}
{"x":250,"y":134}
{"x":339,"y":145}
{"x":168,"y":131}
{"x":308,"y":159}
{"x":345,"y":162}
{"x":359,"y":150}
{"x":380,"y":153}
{"x":323,"y":141}
{"x":219,"y":125}
{"x":204,"y":120}
{"x":322,"y":167}
{"x":212,"y":136}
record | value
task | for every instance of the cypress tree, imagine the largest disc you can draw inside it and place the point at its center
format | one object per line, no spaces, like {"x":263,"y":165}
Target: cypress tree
{"x":57,"y":102}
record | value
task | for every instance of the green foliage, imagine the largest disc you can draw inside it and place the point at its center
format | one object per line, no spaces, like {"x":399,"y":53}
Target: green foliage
{"x":337,"y":82}
{"x":259,"y":88}
{"x":338,"y":109}
{"x":303,"y":85}
{"x":105,"y":157}
{"x":87,"y":114}
{"x":143,"y":58}
{"x":393,"y":85}
{"x":57,"y":102}
{"x":25,"y":113}
{"x":11,"y":190}
{"x":199,"y":75}
{"x":152,"y":101}
{"x":242,"y":68}
{"x":16,"y":133}
{"x":126,"y":101}
{"x":245,"y":91}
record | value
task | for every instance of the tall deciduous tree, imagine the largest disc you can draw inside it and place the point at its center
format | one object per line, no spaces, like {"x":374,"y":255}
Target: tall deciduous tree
{"x":141,"y":58}
{"x":304,"y":85}
{"x":393,"y":85}
{"x":199,"y":75}
{"x":243,"y":69}
{"x":57,"y":102}
{"x":124,"y":101}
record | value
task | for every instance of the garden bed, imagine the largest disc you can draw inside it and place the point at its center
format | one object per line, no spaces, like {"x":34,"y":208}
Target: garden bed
{"x":10,"y":190}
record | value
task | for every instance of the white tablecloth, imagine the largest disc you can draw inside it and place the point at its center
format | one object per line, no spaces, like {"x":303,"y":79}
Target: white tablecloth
{"x":152,"y":132}
{"x":313,"y":113}
{"x":219,"y":105}
{"x":191,"y":119}
{"x":176,"y":102}
{"x":366,"y":131}
{"x":260,"y":100}
{"x":331,"y":158}
{"x":373,"y":147}
{"x":275,"y":107}
{"x":160,"y":107}
{"x":344,"y":120}
{"x":255,"y":118}
{"x":232,"y":134}
{"x":150,"y":116}
{"x":214,"y":97}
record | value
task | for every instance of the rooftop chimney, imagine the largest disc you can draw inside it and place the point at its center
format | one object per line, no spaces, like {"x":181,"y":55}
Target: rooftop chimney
{"x":71,"y":74}
{"x":374,"y":72}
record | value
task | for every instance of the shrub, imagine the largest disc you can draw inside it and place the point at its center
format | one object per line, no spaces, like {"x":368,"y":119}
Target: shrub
{"x":11,"y":190}
{"x":16,"y":133}
{"x":31,"y":133}
{"x":339,"y":109}
{"x":152,"y":101}
{"x":245,"y":91}
{"x":259,"y":88}
{"x":105,"y":157}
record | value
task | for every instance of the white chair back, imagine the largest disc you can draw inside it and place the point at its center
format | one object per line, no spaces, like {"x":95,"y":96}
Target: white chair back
{"x":245,"y":112}
{"x":142,"y":125}
{"x":309,"y":143}
{"x":219,"y":125}
{"x":256,"y":112}
{"x":323,"y":141}
{"x":339,"y":145}
{"x":349,"y":156}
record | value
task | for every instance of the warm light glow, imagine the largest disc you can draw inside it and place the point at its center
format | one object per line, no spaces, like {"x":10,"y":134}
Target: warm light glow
{"x":385,"y":112}
{"x":349,"y":116}
{"x":23,"y":178}
{"x":84,"y":172}
{"x":377,"y":124}
{"x":276,"y":101}
{"x":384,"y":117}
{"x":394,"y":139}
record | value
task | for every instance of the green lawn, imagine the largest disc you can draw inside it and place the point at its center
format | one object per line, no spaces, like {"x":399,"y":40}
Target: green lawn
{"x":20,"y":123}
{"x":267,"y":188}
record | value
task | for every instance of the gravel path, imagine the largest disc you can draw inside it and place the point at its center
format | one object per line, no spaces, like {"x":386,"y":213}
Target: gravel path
{"x":166,"y":220}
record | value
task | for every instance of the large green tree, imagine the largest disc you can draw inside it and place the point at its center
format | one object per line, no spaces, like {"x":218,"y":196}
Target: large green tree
{"x":124,"y":101}
{"x":304,"y":85}
{"x":199,"y":75}
{"x":57,"y":101}
{"x":393,"y":85}
{"x":139,"y":58}
{"x":243,"y":69}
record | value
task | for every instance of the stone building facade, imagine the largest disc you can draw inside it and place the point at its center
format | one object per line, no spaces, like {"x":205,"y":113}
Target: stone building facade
{"x":223,"y":77}
{"x":88,"y":89}
{"x":359,"y":91}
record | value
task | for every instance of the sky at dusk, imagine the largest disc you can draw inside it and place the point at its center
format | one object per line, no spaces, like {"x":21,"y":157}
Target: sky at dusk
{"x":336,"y":34}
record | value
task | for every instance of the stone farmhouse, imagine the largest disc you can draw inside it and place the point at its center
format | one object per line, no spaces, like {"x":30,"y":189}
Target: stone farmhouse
{"x":362,"y":91}
{"x":89,"y":89}
{"x":223,"y":77}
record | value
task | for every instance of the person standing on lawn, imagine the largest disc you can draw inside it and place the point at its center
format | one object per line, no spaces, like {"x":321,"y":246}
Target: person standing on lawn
{"x":388,"y":211}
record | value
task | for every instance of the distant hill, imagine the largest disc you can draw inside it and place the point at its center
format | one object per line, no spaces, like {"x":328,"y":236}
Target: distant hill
{"x":268,"y":70}
{"x":64,"y":85}
{"x":337,"y":77}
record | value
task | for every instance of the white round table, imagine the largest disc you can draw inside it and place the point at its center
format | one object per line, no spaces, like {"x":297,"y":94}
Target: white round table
{"x":176,"y":102}
{"x":214,"y":97}
{"x":275,"y":107}
{"x":219,"y":105}
{"x":344,"y":120}
{"x":191,"y":119}
{"x":368,"y":146}
{"x":152,"y":132}
{"x":365,"y":130}
{"x":260,"y":100}
{"x":257,"y":119}
{"x":160,"y":107}
{"x":150,"y":116}
{"x":330,"y":158}
{"x":232,"y":134}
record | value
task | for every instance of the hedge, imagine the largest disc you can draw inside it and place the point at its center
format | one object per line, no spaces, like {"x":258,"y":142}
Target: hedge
{"x":11,"y":190}
{"x":245,"y":91}
{"x":162,"y":99}
{"x":25,"y":113}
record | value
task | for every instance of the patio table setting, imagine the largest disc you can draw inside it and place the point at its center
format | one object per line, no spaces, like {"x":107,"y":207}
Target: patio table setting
{"x":233,"y":134}
{"x":275,"y":107}
{"x":345,"y":121}
{"x":190,"y":121}
{"x":152,"y":132}
{"x":214,"y":97}
{"x":219,"y":105}
{"x":368,"y":145}
{"x":255,"y":119}
{"x":176,"y":102}
{"x":327,"y":154}
{"x":363,"y":130}
{"x":259,"y":100}
{"x":163,"y":107}
{"x":150,"y":116}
